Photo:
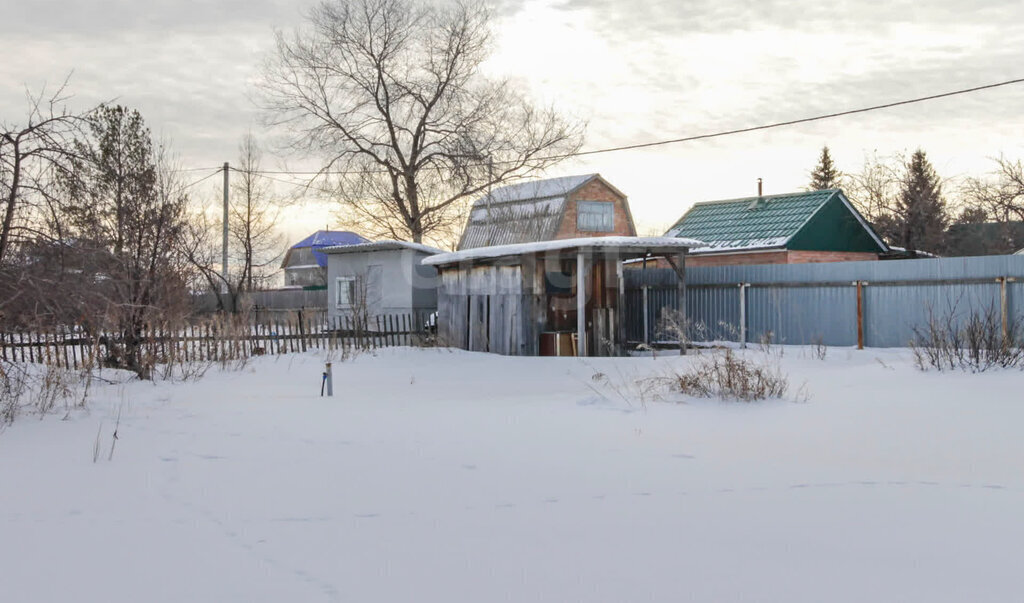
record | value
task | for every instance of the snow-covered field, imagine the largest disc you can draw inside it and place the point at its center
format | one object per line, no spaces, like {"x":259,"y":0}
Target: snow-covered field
{"x":445,"y":476}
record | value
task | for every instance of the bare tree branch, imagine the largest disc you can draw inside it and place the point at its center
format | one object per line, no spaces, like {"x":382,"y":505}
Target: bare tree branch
{"x":390,"y":93}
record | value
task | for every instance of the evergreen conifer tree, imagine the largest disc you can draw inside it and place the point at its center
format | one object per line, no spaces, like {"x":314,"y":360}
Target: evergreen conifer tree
{"x":825,"y":174}
{"x":920,"y":210}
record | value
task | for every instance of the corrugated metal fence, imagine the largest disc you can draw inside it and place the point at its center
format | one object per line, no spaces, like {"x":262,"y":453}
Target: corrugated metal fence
{"x":811,"y":303}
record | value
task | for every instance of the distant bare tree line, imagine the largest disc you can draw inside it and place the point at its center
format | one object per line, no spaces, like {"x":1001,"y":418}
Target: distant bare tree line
{"x":912,"y":207}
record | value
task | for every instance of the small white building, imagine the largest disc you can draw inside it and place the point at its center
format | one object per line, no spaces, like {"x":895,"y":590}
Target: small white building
{"x":380,"y":278}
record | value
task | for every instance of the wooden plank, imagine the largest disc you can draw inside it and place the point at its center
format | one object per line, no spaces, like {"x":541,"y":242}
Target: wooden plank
{"x":477,"y":323}
{"x":620,"y":309}
{"x":46,"y":339}
{"x":581,"y":304}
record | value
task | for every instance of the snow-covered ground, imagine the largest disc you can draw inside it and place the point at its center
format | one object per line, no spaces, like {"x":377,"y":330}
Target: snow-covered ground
{"x":437,"y":475}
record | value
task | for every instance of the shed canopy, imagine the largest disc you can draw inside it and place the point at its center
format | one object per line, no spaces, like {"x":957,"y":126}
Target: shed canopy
{"x":622,"y":246}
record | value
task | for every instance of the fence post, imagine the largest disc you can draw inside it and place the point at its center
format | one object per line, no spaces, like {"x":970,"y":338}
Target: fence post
{"x":860,"y":313}
{"x":681,"y":302}
{"x":743,"y":314}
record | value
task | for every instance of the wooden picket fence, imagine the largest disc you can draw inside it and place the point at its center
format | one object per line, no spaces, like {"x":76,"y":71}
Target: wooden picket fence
{"x":220,"y":338}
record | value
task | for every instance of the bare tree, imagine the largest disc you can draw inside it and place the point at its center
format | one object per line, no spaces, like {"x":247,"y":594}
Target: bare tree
{"x":252,"y":222}
{"x":390,"y":92}
{"x":254,"y":245}
{"x":30,"y":153}
{"x":874,"y":189}
{"x":903,"y":200}
{"x":200,"y":245}
{"x":1001,"y":194}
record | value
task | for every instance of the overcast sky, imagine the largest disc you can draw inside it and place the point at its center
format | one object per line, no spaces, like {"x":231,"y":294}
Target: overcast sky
{"x":636,"y":73}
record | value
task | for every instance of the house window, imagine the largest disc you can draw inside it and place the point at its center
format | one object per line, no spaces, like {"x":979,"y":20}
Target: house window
{"x":344,"y":291}
{"x":595,"y":216}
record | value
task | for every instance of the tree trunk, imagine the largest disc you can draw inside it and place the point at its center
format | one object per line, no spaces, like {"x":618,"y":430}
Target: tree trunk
{"x":5,"y":233}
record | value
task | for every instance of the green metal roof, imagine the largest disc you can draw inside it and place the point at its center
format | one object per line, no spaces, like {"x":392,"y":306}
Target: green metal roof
{"x":774,"y":220}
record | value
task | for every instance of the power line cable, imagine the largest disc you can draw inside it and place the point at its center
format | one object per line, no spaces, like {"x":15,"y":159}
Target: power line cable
{"x":793,"y":121}
{"x":194,"y":169}
{"x":207,"y":177}
{"x":719,"y":134}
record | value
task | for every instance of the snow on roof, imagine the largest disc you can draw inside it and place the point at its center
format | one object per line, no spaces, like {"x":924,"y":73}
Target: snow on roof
{"x":717,"y":246}
{"x":325,"y":238}
{"x":320,"y":239}
{"x":639,"y":244}
{"x":385,"y":245}
{"x":903,"y":251}
{"x":535,"y":189}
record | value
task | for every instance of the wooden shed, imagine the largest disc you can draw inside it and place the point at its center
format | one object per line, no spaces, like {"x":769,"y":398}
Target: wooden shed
{"x":562,"y":297}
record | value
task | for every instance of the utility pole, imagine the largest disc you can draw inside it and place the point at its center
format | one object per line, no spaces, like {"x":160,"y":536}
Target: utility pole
{"x":490,"y":180}
{"x":224,"y":250}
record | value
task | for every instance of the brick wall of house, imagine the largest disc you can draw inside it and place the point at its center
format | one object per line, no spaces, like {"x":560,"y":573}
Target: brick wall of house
{"x":811,"y":257}
{"x":596,"y":190}
{"x":765,"y":257}
{"x":738,"y":259}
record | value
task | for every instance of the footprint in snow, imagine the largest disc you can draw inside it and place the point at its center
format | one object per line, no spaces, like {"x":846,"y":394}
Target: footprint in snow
{"x":470,"y":467}
{"x":683,"y":456}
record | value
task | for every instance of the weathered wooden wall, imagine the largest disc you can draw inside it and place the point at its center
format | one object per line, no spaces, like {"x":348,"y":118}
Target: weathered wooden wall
{"x":504,"y":309}
{"x":480,"y":309}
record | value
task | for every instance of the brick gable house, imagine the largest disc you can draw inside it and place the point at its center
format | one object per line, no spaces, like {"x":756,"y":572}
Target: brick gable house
{"x":543,"y":210}
{"x":794,"y":228}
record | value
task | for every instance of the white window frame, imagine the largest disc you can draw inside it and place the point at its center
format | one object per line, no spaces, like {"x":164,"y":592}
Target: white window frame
{"x":346,"y":284}
{"x":607,"y":212}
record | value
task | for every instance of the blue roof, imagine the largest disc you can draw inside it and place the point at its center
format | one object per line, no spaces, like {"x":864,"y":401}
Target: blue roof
{"x":328,"y":238}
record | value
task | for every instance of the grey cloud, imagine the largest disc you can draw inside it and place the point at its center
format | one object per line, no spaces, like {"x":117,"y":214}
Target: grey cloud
{"x":674,"y":16}
{"x":187,"y":64}
{"x":100,"y":17}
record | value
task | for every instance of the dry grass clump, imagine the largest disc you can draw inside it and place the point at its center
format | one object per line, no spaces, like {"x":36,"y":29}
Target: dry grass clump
{"x":727,"y":376}
{"x":977,"y":343}
{"x":38,"y":389}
